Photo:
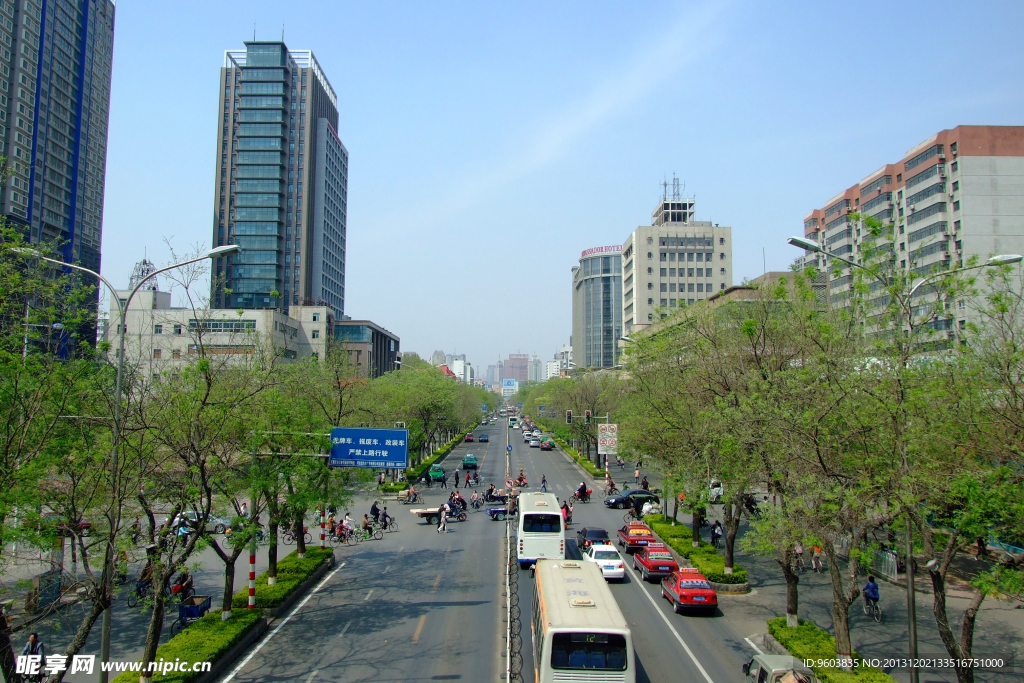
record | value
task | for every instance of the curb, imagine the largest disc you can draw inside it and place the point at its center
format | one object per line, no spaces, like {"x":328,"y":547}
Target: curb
{"x":730,"y":588}
{"x":220,"y":666}
{"x":272,"y":613}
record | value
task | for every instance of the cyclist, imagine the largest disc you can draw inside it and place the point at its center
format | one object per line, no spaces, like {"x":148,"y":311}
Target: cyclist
{"x":475,"y":500}
{"x":346,"y":526}
{"x":799,"y":549}
{"x":816,"y":558}
{"x":375,"y":511}
{"x":870,"y":592}
{"x":716,"y":533}
{"x":476,"y":478}
{"x":385,"y":518}
{"x":611,"y":486}
{"x":366,"y":526}
{"x":330,"y":523}
{"x":413,"y":496}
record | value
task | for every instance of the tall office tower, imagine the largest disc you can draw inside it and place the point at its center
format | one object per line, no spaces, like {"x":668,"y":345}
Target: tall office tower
{"x":955,"y":196}
{"x":515,"y":367}
{"x":282,"y":182}
{"x":54,"y":111}
{"x":675,"y":261}
{"x":597,"y":307}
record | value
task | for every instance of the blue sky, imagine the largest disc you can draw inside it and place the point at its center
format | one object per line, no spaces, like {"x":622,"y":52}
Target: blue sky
{"x":491,"y":142}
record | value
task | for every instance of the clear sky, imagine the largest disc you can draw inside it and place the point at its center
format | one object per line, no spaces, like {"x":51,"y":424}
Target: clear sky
{"x":491,"y":142}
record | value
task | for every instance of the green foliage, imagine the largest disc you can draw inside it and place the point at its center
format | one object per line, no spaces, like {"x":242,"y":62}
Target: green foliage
{"x":704,"y":557}
{"x":205,"y":640}
{"x":394,"y":488}
{"x":291,"y":572}
{"x":809,"y":642}
{"x":414,"y":474}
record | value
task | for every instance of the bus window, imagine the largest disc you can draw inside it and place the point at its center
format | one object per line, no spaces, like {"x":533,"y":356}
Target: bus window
{"x":542,"y":523}
{"x":578,"y":650}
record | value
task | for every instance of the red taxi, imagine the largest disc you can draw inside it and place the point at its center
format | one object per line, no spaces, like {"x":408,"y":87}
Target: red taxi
{"x":635,"y":536}
{"x":655,"y":561}
{"x":688,"y":589}
{"x":469,"y":437}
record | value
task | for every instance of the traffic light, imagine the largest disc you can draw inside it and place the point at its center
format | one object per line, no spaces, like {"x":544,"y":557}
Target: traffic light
{"x":586,"y":417}
{"x":568,"y":417}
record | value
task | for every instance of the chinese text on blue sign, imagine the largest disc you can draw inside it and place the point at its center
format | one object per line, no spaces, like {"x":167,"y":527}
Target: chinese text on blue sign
{"x":374,"y":448}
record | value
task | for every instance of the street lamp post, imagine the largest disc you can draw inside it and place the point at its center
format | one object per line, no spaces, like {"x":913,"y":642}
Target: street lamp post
{"x":1000,"y":260}
{"x":122,"y":330}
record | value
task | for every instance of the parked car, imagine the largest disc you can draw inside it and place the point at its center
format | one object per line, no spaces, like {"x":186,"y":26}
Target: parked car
{"x":469,"y":437}
{"x":534,"y":443}
{"x":588,"y":536}
{"x":546,"y":445}
{"x":627,"y":499}
{"x":654,"y":561}
{"x":687,"y":588}
{"x":526,"y":437}
{"x":635,"y":536}
{"x":608,"y":559}
{"x":469,"y":462}
{"x":484,"y":438}
{"x":214,"y":524}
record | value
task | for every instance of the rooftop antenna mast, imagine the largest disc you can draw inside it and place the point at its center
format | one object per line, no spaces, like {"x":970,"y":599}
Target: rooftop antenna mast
{"x":675,"y":187}
{"x":142,"y":270}
{"x":254,"y":31}
{"x":664,"y":189}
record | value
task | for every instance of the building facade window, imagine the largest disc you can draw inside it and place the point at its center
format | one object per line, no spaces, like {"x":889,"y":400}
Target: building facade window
{"x":158,"y":329}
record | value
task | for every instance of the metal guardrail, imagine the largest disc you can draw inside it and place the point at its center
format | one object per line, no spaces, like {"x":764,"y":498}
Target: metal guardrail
{"x":886,"y":564}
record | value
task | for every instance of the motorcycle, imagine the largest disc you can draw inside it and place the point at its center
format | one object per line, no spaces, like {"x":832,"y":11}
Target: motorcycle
{"x":521,"y":483}
{"x":586,"y":496}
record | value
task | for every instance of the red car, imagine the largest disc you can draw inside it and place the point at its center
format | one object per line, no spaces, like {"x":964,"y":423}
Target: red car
{"x":635,"y":536}
{"x":654,"y":560}
{"x":687,"y":588}
{"x":546,"y":446}
{"x":469,"y":437}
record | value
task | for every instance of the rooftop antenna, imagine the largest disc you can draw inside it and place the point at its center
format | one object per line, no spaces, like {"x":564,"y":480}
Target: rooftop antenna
{"x":675,"y":187}
{"x":282,"y":31}
{"x":254,"y":31}
{"x":664,"y":188}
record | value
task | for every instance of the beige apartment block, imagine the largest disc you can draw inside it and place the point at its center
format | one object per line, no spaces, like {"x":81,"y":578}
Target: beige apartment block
{"x":957,"y":196}
{"x":676,"y":261}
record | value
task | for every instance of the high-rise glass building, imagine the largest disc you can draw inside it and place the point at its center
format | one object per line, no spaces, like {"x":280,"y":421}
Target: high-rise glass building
{"x":597,"y":307}
{"x":55,"y":61}
{"x":282,"y":182}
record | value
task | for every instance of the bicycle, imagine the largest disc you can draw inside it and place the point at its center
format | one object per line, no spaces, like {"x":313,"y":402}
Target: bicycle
{"x":798,"y":564}
{"x":872,"y":609}
{"x":144,"y":593}
{"x":288,"y":536}
{"x":632,"y":516}
{"x":390,"y":524}
{"x":716,"y":541}
{"x":375,"y":533}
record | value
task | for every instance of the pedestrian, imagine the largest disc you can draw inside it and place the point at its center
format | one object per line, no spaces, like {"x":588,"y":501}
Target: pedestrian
{"x":467,"y":479}
{"x":442,"y":527}
{"x":456,"y":477}
{"x":645,"y":485}
{"x":544,"y":483}
{"x":444,"y":481}
{"x":245,"y":510}
{"x":636,"y":475}
{"x":35,"y":647}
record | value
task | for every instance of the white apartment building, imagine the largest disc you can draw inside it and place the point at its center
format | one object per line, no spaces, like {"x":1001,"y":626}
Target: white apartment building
{"x":552,"y":369}
{"x":957,"y":195}
{"x":675,"y":261}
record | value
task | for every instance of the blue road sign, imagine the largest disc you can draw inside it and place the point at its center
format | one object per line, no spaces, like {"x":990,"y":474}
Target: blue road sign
{"x":508,"y":383}
{"x":508,"y":448}
{"x":485,"y":407}
{"x":520,"y":405}
{"x":375,"y":448}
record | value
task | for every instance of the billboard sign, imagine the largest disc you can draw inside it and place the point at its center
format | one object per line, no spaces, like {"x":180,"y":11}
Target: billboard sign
{"x":540,"y":410}
{"x":484,"y":407}
{"x":373,"y":448}
{"x":508,"y":383}
{"x":613,"y":249}
{"x":607,"y":439}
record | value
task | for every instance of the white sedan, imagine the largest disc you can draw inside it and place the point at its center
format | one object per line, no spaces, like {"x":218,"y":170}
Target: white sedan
{"x":608,"y":559}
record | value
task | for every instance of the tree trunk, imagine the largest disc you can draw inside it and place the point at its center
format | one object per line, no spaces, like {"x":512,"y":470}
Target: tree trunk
{"x":696,"y":519}
{"x":6,"y":649}
{"x":300,"y":534}
{"x":792,"y":588}
{"x":156,"y":623}
{"x":229,"y":588}
{"x":675,"y":509}
{"x":732,"y":511}
{"x":78,"y":642}
{"x":841,"y":601}
{"x":273,"y":523}
{"x":962,"y":649}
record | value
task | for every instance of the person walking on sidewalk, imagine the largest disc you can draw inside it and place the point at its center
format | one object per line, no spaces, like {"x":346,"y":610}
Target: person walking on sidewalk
{"x":543,"y":483}
{"x":636,"y":475}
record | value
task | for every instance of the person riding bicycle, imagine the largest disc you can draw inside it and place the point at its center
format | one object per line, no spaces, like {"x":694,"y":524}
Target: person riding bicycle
{"x":716,"y":533}
{"x":870,"y":591}
{"x":799,"y":550}
{"x":366,"y":526}
{"x":375,"y":512}
{"x":183,"y":586}
{"x":638,"y":507}
{"x":611,"y":486}
{"x":330,"y":522}
{"x":385,"y":518}
{"x":413,"y":496}
{"x":475,"y":500}
{"x":816,"y":558}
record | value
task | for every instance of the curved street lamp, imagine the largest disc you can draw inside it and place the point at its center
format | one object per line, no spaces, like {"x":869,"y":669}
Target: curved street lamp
{"x":216,"y":252}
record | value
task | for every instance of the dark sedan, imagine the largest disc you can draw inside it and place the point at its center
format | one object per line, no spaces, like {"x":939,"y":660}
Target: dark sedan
{"x":629,"y":499}
{"x":588,"y":536}
{"x":484,"y":438}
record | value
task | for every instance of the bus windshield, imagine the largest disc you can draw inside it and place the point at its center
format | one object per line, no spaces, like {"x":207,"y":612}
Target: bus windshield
{"x":578,"y":650}
{"x":542,"y":523}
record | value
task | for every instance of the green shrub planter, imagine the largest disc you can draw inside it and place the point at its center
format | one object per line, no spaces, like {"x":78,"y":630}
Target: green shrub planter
{"x":206,"y":640}
{"x":291,"y":573}
{"x":807,"y":641}
{"x":704,"y":557}
{"x":394,"y":488}
{"x":414,"y":474}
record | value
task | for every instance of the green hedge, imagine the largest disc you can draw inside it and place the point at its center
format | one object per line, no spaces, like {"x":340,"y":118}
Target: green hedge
{"x":704,"y":557}
{"x":583,"y":461}
{"x":414,"y":474}
{"x":291,"y":572}
{"x":807,"y":641}
{"x":204,"y":641}
{"x":394,"y":488}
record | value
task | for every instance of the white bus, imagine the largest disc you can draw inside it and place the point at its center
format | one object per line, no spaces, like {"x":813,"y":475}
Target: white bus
{"x":512,"y":421}
{"x":541,"y":528}
{"x":579,"y":633}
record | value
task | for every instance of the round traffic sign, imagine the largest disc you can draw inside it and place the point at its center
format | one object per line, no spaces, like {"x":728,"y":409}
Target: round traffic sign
{"x":508,"y":448}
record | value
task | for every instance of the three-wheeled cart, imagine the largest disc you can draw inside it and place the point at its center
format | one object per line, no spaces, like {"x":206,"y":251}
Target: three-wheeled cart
{"x":190,"y":610}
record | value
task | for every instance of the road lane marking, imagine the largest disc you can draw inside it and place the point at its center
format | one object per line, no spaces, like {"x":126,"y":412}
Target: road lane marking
{"x":401,"y":548}
{"x":668,"y":623}
{"x":756,"y":648}
{"x":312,"y":675}
{"x":368,"y":595}
{"x":437,"y":582}
{"x":386,"y":569}
{"x":419,"y":627}
{"x":277,"y":628}
{"x":342,"y":633}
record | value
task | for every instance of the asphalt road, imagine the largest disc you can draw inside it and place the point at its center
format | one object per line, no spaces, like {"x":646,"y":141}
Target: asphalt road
{"x":414,"y":606}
